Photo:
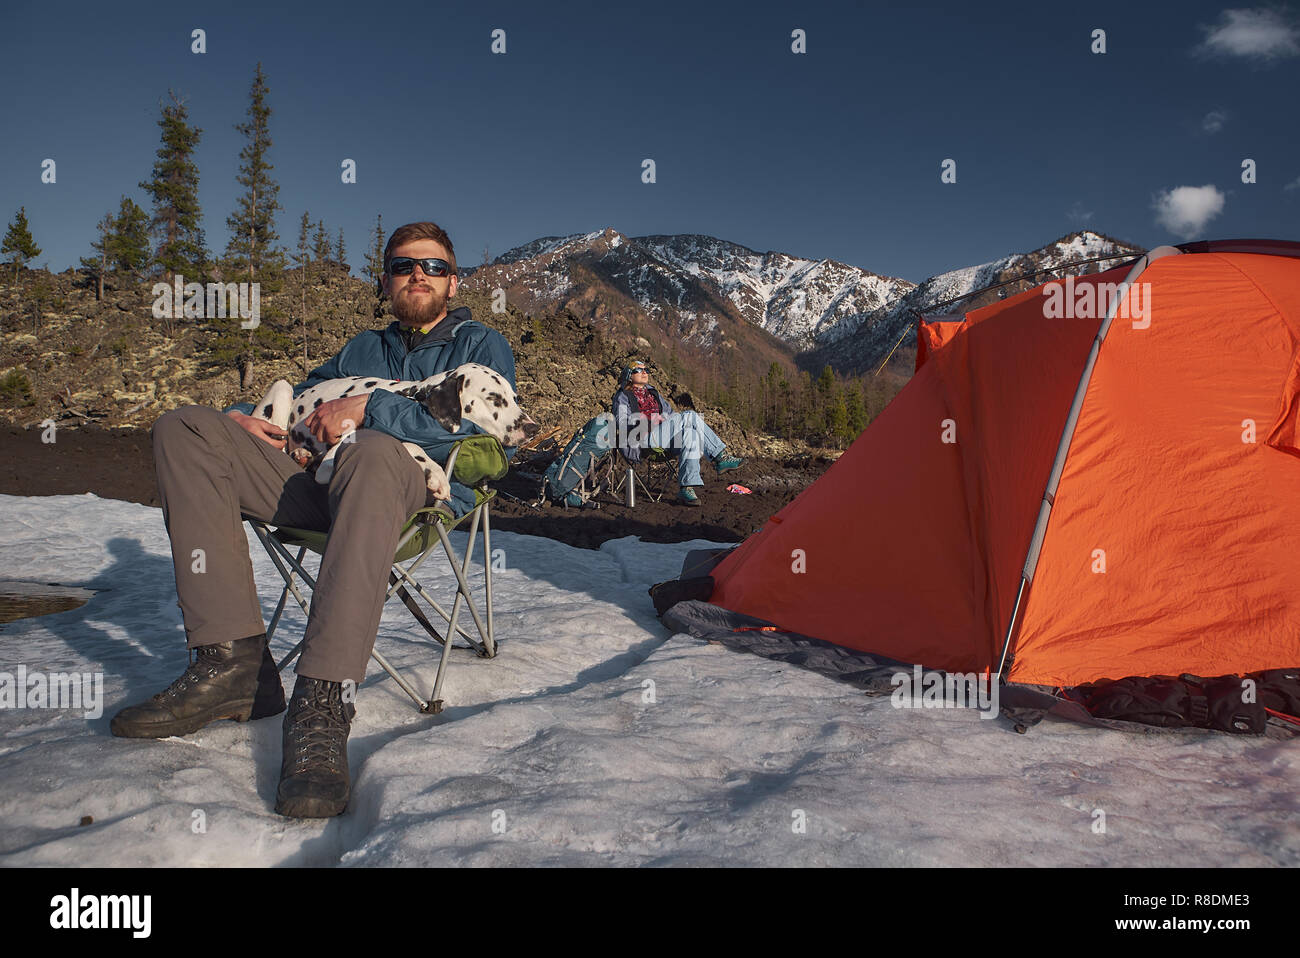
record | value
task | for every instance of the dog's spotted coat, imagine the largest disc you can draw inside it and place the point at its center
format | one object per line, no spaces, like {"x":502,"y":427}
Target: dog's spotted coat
{"x":473,"y":392}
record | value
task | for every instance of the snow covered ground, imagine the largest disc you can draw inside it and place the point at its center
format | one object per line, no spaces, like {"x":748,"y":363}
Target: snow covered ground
{"x":553,"y":753}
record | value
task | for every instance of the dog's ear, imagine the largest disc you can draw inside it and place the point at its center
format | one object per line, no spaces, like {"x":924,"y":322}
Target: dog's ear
{"x":443,"y":401}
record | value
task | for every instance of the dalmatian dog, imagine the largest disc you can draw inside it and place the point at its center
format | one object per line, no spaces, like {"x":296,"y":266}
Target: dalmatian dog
{"x":470,"y":391}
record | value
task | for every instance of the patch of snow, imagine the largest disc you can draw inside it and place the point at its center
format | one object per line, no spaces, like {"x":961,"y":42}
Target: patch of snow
{"x":594,"y":737}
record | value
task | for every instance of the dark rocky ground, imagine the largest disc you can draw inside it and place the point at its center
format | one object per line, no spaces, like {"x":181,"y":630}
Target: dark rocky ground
{"x":118,"y":464}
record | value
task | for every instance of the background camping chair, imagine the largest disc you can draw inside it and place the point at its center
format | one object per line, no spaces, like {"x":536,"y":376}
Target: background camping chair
{"x":655,"y":474}
{"x":473,"y":461}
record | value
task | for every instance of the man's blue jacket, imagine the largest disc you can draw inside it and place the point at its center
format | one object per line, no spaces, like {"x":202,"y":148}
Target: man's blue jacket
{"x":456,"y":340}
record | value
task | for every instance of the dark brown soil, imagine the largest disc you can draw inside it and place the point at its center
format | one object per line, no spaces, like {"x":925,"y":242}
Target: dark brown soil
{"x":118,"y":464}
{"x":112,"y":463}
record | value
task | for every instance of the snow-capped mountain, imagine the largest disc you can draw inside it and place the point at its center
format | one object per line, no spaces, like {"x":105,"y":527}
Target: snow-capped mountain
{"x":800,"y":301}
{"x":704,"y":291}
{"x":706,"y":295}
{"x":870,"y":339}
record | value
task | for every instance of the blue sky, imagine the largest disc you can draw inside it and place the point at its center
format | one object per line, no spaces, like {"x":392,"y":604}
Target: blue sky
{"x":835,"y":153}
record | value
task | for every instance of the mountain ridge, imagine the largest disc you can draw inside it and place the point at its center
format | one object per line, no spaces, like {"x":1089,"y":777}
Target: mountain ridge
{"x":702,"y":292}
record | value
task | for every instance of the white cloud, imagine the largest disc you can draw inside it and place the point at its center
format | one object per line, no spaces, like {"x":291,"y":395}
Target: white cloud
{"x":1214,"y":120}
{"x":1186,"y":210}
{"x":1293,"y":185}
{"x":1259,"y":33}
{"x":1078,"y":215}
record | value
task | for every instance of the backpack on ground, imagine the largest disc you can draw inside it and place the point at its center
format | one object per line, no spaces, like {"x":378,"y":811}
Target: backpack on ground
{"x":574,"y":478}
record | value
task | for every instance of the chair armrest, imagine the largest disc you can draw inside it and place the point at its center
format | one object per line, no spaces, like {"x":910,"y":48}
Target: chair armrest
{"x":478,"y":460}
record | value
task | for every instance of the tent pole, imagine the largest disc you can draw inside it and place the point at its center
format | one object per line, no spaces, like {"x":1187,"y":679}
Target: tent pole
{"x":1015,"y":611}
{"x":1067,"y":436}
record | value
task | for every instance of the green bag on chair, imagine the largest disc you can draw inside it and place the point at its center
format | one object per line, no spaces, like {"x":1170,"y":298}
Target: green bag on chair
{"x":479,"y":459}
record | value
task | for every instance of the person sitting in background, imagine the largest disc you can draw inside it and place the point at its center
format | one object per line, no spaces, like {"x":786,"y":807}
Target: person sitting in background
{"x":646,"y":420}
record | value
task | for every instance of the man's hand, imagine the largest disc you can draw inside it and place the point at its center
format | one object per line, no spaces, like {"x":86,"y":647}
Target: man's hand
{"x":266,"y":431}
{"x":329,"y":421}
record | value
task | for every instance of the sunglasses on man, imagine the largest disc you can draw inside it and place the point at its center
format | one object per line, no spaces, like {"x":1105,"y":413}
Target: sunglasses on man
{"x":405,"y":265}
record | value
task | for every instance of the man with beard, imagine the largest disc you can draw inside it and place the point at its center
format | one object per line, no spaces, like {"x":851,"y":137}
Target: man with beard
{"x":212,"y":468}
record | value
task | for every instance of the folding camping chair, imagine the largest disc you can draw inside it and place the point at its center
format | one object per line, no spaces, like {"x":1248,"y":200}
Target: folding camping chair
{"x":659,"y":466}
{"x":473,"y":461}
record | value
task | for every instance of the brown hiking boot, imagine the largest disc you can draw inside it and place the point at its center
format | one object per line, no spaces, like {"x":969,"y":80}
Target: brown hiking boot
{"x":314,"y":781}
{"x":233,"y":680}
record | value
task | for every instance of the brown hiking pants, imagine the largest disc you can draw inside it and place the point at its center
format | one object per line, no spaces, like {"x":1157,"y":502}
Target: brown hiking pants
{"x":211,"y":470}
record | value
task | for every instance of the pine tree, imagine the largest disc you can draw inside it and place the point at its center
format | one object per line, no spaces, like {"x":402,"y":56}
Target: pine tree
{"x":303,"y":256}
{"x":342,"y":252}
{"x":40,"y":296}
{"x":175,"y":192}
{"x":321,"y":243}
{"x":252,"y":251}
{"x":837,"y":419}
{"x":375,"y":257}
{"x":856,"y":410}
{"x":252,"y":226}
{"x":122,"y":246}
{"x":18,"y":243}
{"x":772,"y":400}
{"x":876,"y":396}
{"x":96,"y":266}
{"x":785,"y":402}
{"x":129,"y":252}
{"x":803,"y":417}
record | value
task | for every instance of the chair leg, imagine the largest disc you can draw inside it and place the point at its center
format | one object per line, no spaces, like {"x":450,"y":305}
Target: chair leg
{"x":284,"y":595}
{"x":489,"y":640}
{"x":646,"y":488}
{"x":276,"y":551}
{"x":463,"y":585}
{"x":430,"y":706}
{"x":462,"y":592}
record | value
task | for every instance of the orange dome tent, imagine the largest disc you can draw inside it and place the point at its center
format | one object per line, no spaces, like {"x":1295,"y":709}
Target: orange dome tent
{"x":1094,"y":479}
